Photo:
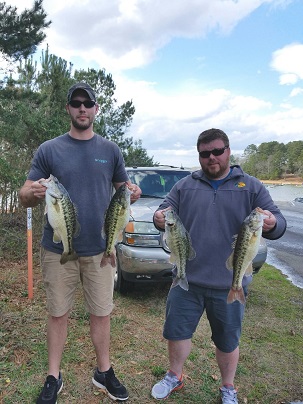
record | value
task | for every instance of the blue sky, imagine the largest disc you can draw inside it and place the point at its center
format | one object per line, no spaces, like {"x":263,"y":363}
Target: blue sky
{"x":191,"y":65}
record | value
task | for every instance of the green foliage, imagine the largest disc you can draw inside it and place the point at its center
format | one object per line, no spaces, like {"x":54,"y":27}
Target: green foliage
{"x":20,"y":34}
{"x":295,"y":156}
{"x":135,"y":155}
{"x":273,"y":160}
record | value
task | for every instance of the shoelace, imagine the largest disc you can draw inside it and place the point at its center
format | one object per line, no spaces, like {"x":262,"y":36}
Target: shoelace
{"x":168,"y":380}
{"x":231,"y":395}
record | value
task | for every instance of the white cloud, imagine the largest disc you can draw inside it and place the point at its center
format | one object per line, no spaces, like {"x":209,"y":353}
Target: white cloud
{"x":122,"y":34}
{"x":296,"y":91}
{"x":288,"y":61}
{"x":171,"y":139}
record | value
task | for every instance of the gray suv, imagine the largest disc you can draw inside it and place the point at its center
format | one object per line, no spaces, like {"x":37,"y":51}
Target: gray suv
{"x":142,"y":255}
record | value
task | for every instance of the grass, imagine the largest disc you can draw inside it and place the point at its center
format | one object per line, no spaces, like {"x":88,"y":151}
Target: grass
{"x":270,"y":370}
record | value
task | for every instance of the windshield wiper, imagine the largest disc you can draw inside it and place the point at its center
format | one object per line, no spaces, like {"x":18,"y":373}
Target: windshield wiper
{"x":152,"y":196}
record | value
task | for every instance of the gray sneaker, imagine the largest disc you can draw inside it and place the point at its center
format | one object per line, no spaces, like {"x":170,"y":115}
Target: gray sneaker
{"x":167,"y":385}
{"x":228,"y":395}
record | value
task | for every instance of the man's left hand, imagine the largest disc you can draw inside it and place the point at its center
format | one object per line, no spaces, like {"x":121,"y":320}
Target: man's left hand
{"x":136,"y":192}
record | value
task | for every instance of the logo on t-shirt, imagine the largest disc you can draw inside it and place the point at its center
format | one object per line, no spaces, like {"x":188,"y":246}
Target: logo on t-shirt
{"x":101,"y":161}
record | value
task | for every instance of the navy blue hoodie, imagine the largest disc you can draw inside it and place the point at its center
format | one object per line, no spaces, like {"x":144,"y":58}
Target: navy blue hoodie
{"x":214,"y":216}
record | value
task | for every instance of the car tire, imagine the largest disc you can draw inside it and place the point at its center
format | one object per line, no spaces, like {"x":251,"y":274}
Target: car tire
{"x":120,"y":284}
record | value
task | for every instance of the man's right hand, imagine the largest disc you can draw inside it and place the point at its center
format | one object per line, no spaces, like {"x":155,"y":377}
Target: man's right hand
{"x":32,"y":193}
{"x":159,"y":218}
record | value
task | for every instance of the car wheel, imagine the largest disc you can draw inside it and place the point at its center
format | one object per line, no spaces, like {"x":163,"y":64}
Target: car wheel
{"x":120,"y":284}
{"x":256,"y":270}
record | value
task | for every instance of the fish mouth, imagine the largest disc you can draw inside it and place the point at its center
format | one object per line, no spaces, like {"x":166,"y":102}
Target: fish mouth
{"x":129,"y":186}
{"x":45,"y":183}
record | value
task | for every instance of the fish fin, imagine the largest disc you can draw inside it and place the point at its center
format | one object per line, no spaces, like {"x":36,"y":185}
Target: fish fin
{"x":229,"y":262}
{"x":233,"y":244}
{"x":182,"y":282}
{"x":249,"y":269}
{"x":192,"y":252}
{"x":77,"y":229}
{"x":56,"y":238}
{"x":103,"y":232}
{"x":113,"y":261}
{"x":165,"y":237}
{"x":172,"y":258}
{"x":236,"y":294}
{"x":108,"y":259}
{"x":53,"y":199}
{"x":65,"y":257}
{"x":120,"y":237}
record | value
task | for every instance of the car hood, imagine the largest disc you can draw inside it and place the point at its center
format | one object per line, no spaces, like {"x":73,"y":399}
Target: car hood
{"x":143,"y":209}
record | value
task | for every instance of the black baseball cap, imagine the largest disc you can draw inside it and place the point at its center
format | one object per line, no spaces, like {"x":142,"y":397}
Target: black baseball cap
{"x":81,"y":86}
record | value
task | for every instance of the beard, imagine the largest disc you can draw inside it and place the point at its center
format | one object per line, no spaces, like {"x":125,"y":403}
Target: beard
{"x":217,"y":171}
{"x":81,"y":125}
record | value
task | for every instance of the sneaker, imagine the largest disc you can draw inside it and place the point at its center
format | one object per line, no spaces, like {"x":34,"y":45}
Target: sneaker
{"x":51,"y":388}
{"x":228,"y":395}
{"x":108,"y":381}
{"x":167,"y":385}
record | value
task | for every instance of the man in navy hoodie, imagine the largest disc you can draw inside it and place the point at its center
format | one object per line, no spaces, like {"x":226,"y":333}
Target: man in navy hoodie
{"x":212,"y":204}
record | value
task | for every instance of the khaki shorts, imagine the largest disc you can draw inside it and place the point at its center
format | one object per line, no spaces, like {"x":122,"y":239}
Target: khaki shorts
{"x":61,"y":283}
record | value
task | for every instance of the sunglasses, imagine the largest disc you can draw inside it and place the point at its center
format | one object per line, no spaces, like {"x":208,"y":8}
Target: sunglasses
{"x":86,"y":103}
{"x":215,"y":152}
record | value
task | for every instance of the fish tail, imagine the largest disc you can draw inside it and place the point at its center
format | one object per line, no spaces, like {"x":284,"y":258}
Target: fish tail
{"x":108,"y":259}
{"x":182,"y":282}
{"x":68,"y":256}
{"x":236,"y":294}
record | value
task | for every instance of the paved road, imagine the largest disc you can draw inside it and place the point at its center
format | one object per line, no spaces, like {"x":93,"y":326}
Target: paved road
{"x":286,"y":253}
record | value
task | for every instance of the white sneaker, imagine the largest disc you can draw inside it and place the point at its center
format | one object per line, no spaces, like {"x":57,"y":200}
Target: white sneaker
{"x":166,"y":386}
{"x":228,"y":395}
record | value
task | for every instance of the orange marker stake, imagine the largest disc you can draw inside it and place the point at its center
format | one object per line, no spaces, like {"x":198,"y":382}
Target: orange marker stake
{"x":29,"y":254}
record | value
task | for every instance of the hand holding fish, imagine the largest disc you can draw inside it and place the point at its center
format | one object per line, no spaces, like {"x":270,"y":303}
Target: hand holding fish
{"x":159,"y":217}
{"x":38,"y":188}
{"x":136,"y":191}
{"x":269,"y":221}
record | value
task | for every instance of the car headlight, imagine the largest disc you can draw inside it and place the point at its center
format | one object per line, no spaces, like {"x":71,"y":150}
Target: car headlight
{"x":141,"y":234}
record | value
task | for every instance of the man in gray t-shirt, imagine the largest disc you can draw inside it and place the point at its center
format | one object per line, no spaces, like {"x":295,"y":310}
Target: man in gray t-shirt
{"x":88,"y":166}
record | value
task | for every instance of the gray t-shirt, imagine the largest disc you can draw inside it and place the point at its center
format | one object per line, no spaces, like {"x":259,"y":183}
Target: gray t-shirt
{"x":87,"y":169}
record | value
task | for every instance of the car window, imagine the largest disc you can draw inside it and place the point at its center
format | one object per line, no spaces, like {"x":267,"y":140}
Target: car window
{"x":156,"y":182}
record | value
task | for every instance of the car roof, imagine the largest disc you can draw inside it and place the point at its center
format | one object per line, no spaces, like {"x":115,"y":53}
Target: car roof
{"x":160,"y":167}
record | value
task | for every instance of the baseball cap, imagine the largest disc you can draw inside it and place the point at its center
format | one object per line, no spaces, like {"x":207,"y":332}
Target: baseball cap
{"x":81,"y":86}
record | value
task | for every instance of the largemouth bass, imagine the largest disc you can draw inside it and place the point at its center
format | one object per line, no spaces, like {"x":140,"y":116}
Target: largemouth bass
{"x":62,"y":216}
{"x":246,"y":247}
{"x":116,"y":218}
{"x":179,"y":242}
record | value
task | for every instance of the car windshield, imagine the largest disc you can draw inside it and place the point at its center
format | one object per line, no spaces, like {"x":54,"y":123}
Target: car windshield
{"x":156,"y":183}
